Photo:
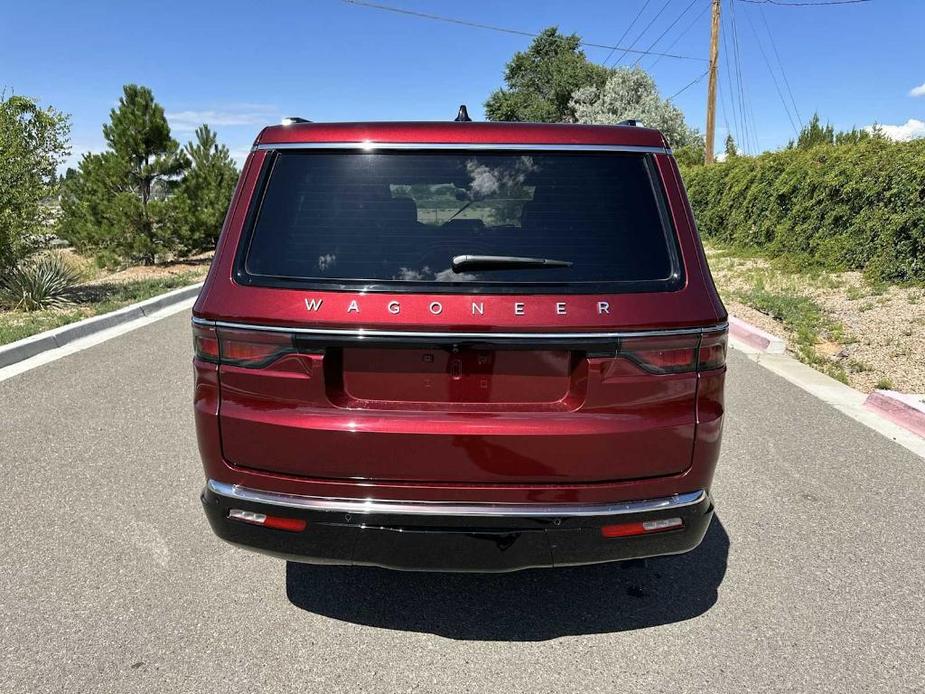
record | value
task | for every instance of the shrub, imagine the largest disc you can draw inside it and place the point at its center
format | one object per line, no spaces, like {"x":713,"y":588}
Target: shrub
{"x":853,"y":206}
{"x":45,"y":281}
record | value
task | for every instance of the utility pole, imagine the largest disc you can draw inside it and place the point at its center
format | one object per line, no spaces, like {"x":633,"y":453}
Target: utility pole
{"x":711,"y":85}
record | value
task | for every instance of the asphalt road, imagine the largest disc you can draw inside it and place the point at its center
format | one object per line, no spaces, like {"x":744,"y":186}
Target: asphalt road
{"x":810,"y":579}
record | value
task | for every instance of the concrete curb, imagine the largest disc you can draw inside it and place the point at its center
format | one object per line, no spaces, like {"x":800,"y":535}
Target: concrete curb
{"x":756,"y":337}
{"x":908,"y":411}
{"x":58,"y":337}
{"x":842,"y":397}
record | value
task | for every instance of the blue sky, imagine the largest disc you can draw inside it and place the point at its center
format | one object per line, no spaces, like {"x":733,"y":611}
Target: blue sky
{"x":238,"y":66}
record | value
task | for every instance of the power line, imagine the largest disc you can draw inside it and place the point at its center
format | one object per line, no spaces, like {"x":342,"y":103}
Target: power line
{"x":748,"y":118}
{"x":623,"y":35}
{"x":779,"y":3}
{"x":677,"y":38}
{"x":780,"y":93}
{"x":670,"y":27}
{"x":780,"y":65}
{"x":491,"y":27}
{"x":642,"y":33}
{"x":736,"y":116}
{"x":753,"y":129}
{"x":688,"y":86}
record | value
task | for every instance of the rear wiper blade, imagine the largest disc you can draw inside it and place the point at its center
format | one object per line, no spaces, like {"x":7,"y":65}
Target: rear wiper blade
{"x":461,"y":263}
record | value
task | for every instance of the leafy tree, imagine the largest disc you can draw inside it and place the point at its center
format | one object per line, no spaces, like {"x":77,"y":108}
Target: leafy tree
{"x":33,"y":141}
{"x":201,"y":200}
{"x":115,"y":205}
{"x":540,"y":81}
{"x":630,"y":93}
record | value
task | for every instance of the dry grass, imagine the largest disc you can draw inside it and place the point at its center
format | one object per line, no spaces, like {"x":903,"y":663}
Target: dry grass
{"x":102,"y":292}
{"x":861,"y":333}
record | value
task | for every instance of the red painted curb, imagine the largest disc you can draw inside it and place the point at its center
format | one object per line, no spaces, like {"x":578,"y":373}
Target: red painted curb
{"x":756,"y":337}
{"x":908,"y":411}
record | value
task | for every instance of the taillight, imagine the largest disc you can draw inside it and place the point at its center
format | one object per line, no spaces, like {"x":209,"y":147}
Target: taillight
{"x":205,"y":343}
{"x":712,"y":351}
{"x":676,"y":354}
{"x":248,"y":348}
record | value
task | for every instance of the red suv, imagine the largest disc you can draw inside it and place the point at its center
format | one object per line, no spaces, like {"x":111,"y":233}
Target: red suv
{"x":459,"y":346}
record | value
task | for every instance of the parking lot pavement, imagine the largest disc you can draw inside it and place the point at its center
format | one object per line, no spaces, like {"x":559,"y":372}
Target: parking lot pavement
{"x":810,"y":579}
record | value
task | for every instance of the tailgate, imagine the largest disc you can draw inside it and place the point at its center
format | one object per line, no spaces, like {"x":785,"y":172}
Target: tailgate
{"x":465,"y":413}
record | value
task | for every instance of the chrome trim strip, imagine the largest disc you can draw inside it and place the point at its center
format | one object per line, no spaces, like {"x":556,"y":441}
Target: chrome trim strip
{"x":451,"y":508}
{"x":361,"y":333}
{"x":371,"y":146}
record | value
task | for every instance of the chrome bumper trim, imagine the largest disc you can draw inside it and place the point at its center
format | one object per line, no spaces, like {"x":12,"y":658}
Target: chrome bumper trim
{"x":451,"y":508}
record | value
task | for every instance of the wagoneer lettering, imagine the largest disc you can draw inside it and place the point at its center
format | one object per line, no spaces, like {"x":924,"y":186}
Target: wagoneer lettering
{"x":500,"y":339}
{"x":477,"y":308}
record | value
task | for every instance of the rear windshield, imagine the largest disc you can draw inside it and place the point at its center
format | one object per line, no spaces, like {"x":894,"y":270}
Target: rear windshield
{"x":394,"y":220}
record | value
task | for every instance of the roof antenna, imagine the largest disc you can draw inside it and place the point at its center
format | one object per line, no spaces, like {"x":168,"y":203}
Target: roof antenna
{"x":292,"y":120}
{"x":629,"y":121}
{"x":463,"y":115}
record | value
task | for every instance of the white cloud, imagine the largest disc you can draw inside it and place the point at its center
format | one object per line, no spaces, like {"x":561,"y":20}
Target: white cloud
{"x":244,"y":114}
{"x":918,"y":91}
{"x":912,"y":129}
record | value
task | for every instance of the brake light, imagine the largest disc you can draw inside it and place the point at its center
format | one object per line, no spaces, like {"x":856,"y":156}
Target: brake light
{"x":676,"y":354}
{"x":248,"y":348}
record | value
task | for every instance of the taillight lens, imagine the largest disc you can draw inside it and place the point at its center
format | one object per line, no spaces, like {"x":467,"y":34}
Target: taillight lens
{"x":712,"y":351}
{"x":248,"y":348}
{"x":676,"y":354}
{"x":205,"y":343}
{"x":662,"y":355}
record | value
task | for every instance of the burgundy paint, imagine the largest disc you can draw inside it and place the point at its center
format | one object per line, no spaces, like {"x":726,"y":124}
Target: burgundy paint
{"x":548,"y":427}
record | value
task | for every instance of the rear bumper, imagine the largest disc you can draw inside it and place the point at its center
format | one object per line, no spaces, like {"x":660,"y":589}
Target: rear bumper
{"x":451,"y":536}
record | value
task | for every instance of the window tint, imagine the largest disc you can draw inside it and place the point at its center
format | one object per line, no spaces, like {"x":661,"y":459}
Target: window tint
{"x":399,"y":218}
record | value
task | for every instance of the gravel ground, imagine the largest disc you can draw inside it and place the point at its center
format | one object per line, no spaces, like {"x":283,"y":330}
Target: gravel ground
{"x":884,"y":326}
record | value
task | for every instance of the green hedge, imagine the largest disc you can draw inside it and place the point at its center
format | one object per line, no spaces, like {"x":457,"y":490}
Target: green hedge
{"x":843,"y":207}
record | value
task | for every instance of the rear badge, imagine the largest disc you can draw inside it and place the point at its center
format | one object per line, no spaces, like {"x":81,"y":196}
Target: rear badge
{"x":518,"y":308}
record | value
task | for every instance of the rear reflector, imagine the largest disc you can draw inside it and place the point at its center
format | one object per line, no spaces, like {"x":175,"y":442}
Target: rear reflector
{"x":276,"y":522}
{"x":641,"y":528}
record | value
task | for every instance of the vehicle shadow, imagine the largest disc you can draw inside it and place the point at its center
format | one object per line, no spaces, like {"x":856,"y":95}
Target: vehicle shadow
{"x":532,"y":605}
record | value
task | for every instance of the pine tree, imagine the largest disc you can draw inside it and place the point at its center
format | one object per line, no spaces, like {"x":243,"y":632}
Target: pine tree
{"x":814,"y":133}
{"x":115,"y":206}
{"x":731,"y":149}
{"x":202,"y":198}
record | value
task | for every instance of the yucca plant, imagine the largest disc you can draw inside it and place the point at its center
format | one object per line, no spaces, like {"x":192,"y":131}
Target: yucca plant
{"x":42,"y":282}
